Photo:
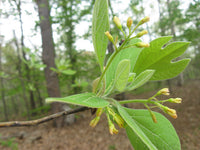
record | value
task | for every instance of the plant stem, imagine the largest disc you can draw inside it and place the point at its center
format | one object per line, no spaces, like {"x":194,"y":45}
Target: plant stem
{"x":41,"y":120}
{"x":133,"y":45}
{"x":113,"y":56}
{"x":134,"y":101}
{"x":104,"y":71}
{"x":144,"y":101}
{"x":124,"y":33}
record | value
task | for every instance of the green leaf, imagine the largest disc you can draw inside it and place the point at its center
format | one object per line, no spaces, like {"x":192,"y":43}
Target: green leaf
{"x":141,"y":79}
{"x":135,"y":128}
{"x":131,"y":54}
{"x":100,"y":24}
{"x":68,"y":72}
{"x":160,"y":59}
{"x":84,"y":99}
{"x":3,"y":75}
{"x":131,"y":77}
{"x":162,"y":134}
{"x":122,"y":74}
{"x":54,"y":69}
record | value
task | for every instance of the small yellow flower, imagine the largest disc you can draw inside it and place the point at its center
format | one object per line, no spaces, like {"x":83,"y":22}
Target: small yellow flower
{"x":144,"y":20}
{"x":117,"y":22}
{"x":142,"y":44}
{"x":164,"y":91}
{"x":112,"y":129}
{"x":171,"y":112}
{"x":99,"y":112}
{"x":94,"y":122}
{"x":153,"y":117}
{"x":175,"y":100}
{"x":116,"y":39}
{"x":129,"y":22}
{"x":107,"y":33}
{"x":119,"y":120}
{"x":142,"y":33}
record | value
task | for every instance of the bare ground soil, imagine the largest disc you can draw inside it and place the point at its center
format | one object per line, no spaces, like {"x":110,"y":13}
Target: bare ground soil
{"x":80,"y":136}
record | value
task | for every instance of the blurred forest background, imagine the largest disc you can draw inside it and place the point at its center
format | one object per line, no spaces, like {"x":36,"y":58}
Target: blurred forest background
{"x":29,"y":74}
{"x":55,"y":64}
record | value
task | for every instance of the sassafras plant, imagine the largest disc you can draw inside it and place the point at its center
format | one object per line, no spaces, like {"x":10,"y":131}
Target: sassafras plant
{"x":132,"y":64}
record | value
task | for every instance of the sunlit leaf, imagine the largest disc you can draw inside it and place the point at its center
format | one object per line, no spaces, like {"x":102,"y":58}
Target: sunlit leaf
{"x":160,"y":59}
{"x":162,"y":134}
{"x":132,"y":124}
{"x":131,"y":54}
{"x":141,"y":79}
{"x":122,"y":74}
{"x":84,"y":99}
{"x":100,"y":24}
{"x":68,"y":72}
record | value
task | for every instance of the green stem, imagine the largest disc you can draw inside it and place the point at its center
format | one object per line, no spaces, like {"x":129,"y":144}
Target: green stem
{"x":109,"y":62}
{"x":116,"y":49}
{"x":163,"y":101}
{"x":113,"y":56}
{"x":133,"y":38}
{"x":134,"y":29}
{"x":133,"y":45}
{"x":104,"y":71}
{"x":124,"y":33}
{"x":144,"y":101}
{"x":135,"y":101}
{"x":129,"y":30}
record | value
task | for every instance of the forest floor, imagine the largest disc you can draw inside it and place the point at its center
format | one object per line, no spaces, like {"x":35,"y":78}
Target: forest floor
{"x":80,"y":136}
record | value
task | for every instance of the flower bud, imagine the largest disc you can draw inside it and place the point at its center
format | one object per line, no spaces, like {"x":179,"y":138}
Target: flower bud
{"x":94,"y":122}
{"x":116,"y":39}
{"x":129,"y":22}
{"x":171,"y":112}
{"x":112,"y":128}
{"x":164,"y":91}
{"x":99,"y":112}
{"x":142,"y":33}
{"x":142,"y":44}
{"x":117,"y":22}
{"x":175,"y":100}
{"x":119,"y":120}
{"x":153,"y":117}
{"x":144,"y":20}
{"x":109,"y":36}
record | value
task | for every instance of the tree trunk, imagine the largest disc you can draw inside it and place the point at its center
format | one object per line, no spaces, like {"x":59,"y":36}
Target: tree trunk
{"x":37,"y":88}
{"x":180,"y":81}
{"x":69,"y":44}
{"x":160,"y":19}
{"x":48,"y":56}
{"x":15,"y":106}
{"x":39,"y":96}
{"x":19,"y":69}
{"x":27,"y":74}
{"x":3,"y":92}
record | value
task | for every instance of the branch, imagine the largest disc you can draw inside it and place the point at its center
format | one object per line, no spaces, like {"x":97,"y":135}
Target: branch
{"x":41,"y":120}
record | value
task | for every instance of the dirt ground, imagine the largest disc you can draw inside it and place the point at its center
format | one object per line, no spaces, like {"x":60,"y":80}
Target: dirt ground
{"x":80,"y":136}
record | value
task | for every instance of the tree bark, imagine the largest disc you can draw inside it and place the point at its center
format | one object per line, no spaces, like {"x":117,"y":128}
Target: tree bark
{"x":3,"y":92}
{"x":70,"y":41}
{"x":19,"y":69}
{"x":48,"y":56}
{"x":27,"y":75}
